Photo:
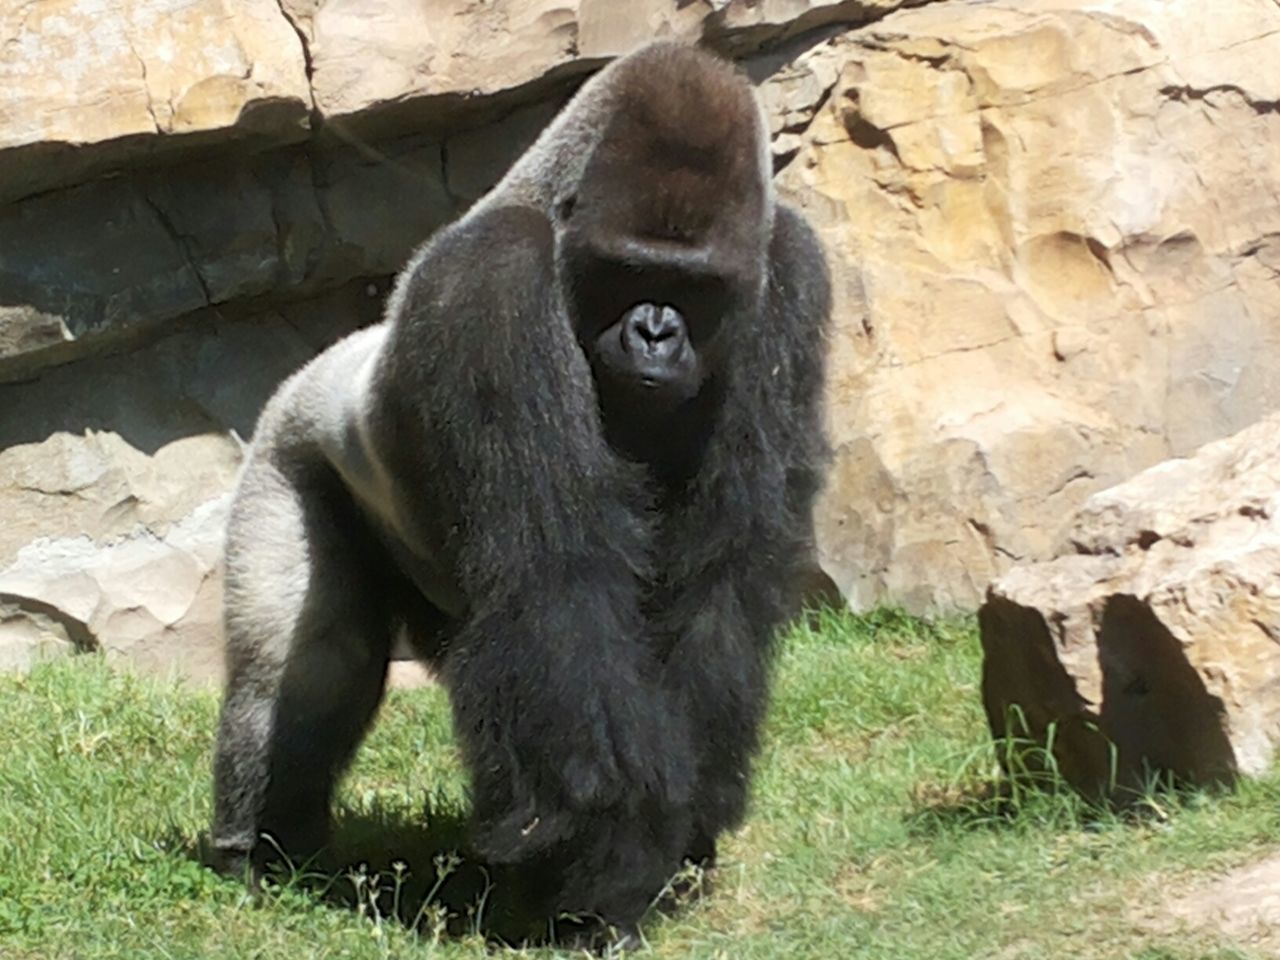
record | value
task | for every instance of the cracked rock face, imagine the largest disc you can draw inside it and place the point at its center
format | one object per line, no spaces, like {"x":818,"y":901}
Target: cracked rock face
{"x":91,"y":84}
{"x":1153,"y":641}
{"x":1053,"y":227}
{"x":1058,"y":230}
{"x":115,"y":478}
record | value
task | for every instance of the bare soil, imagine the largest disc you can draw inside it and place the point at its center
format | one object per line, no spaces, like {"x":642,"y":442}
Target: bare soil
{"x":1242,"y":905}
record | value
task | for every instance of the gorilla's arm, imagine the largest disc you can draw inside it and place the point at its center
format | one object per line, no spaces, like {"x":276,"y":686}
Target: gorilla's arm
{"x":745,"y":522}
{"x":487,"y":407}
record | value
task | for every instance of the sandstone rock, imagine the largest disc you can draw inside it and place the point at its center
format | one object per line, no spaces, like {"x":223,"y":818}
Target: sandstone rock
{"x":382,"y":63}
{"x":1053,"y":225}
{"x":32,"y":633}
{"x":380,"y":204}
{"x":93,"y":88}
{"x":155,"y":601}
{"x":114,"y":481}
{"x":215,"y":233}
{"x":408,"y":674}
{"x":376,"y":53}
{"x":90,"y":85}
{"x":740,"y":26}
{"x":99,"y":486}
{"x":62,"y":283}
{"x":201,"y":380}
{"x":1161,"y":636}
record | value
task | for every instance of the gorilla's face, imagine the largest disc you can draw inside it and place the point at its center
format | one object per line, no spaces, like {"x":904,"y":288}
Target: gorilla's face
{"x":657,"y":265}
{"x":662,"y":247}
{"x":649,"y":321}
{"x":655,"y":312}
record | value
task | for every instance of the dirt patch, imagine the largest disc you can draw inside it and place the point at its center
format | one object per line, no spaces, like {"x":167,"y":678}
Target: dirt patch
{"x":408,"y":675}
{"x":1242,"y":905}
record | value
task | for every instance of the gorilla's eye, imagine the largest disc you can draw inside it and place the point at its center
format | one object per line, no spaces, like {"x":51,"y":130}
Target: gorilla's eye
{"x":564,"y":209}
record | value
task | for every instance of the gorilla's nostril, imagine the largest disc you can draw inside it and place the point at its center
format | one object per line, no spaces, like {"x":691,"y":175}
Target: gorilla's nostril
{"x":653,"y":332}
{"x":656,"y":324}
{"x":668,"y":324}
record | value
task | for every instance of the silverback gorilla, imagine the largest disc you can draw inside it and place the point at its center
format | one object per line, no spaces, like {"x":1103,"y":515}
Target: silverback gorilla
{"x":575,"y":464}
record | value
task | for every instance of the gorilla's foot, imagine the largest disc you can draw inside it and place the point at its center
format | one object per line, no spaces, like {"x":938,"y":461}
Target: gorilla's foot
{"x":234,"y":862}
{"x":694,"y":880}
{"x":597,"y":936}
{"x":691,"y":884}
{"x":702,"y":851}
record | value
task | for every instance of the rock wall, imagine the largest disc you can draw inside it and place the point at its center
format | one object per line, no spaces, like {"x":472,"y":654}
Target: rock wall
{"x":1067,"y":224}
{"x":1055,"y":226}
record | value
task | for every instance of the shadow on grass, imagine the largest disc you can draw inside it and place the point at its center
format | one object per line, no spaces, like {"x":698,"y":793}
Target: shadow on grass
{"x":997,"y":803}
{"x":391,"y":866}
{"x":415,"y":870}
{"x":1038,"y":797}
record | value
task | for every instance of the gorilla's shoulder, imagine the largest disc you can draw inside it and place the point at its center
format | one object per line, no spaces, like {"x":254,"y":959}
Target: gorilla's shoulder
{"x":323,"y":403}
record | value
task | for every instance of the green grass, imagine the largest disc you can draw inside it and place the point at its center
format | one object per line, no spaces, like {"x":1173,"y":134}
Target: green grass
{"x":875,"y":831}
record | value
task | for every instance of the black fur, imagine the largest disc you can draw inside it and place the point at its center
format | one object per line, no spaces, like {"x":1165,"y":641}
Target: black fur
{"x":595,"y":565}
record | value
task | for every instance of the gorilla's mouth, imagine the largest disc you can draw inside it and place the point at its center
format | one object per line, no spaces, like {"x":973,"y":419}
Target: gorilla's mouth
{"x":646,"y":352}
{"x":649,"y":374}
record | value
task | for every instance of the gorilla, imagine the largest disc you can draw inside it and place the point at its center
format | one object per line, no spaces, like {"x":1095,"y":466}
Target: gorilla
{"x":575,"y":465}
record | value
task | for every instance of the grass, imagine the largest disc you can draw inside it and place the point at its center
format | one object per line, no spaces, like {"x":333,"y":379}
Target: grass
{"x":878,"y":829}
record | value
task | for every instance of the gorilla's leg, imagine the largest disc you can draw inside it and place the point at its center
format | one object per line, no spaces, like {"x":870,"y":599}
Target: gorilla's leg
{"x":717,"y":667}
{"x":307,"y":649}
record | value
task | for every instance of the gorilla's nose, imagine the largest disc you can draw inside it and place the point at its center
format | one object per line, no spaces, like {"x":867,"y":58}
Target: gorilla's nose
{"x":656,"y":331}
